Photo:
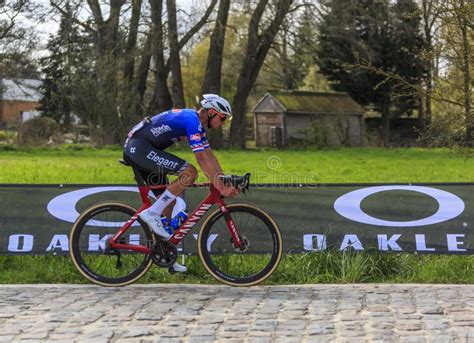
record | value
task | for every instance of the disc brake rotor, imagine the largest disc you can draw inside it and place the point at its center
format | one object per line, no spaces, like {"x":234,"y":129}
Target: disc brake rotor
{"x":244,"y":245}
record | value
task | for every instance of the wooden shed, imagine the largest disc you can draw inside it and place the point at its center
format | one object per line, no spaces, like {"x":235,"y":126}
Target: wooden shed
{"x":283,"y":118}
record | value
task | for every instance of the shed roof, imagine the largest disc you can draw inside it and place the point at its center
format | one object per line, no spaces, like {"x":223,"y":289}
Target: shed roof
{"x":20,"y":90}
{"x":310,"y":102}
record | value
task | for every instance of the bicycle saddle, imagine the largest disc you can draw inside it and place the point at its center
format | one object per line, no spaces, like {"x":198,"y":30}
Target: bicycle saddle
{"x":241,"y":182}
{"x":125,"y":163}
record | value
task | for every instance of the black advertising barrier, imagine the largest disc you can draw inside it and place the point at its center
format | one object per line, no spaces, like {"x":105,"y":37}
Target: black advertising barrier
{"x":424,"y":218}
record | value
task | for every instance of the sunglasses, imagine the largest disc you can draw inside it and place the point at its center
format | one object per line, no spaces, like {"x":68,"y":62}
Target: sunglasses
{"x":214,"y":113}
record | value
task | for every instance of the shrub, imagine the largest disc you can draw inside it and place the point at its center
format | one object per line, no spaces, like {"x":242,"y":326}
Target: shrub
{"x":444,"y":131}
{"x":39,"y":131}
{"x":3,"y":135}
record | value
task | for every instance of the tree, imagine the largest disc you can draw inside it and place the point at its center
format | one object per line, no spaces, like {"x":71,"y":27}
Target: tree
{"x":126,"y":47}
{"x":372,"y":50}
{"x":458,"y":18}
{"x":65,"y":49}
{"x":133,"y":84}
{"x":129,"y":64}
{"x":258,"y":44}
{"x":291,"y":56}
{"x":430,"y":13}
{"x":10,"y":11}
{"x":101,"y":105}
{"x":450,"y":94}
{"x":408,"y":59}
{"x":212,"y":77}
{"x":175,"y":63}
{"x":233,"y":54}
{"x":193,"y":71}
{"x":18,"y":39}
{"x":161,"y":100}
{"x":161,"y":97}
{"x":213,"y":73}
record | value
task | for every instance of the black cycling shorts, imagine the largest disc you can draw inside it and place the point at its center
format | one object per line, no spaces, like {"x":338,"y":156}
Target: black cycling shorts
{"x":154,"y":164}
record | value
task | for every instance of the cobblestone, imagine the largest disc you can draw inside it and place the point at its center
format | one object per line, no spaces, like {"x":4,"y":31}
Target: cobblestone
{"x":194,"y":313}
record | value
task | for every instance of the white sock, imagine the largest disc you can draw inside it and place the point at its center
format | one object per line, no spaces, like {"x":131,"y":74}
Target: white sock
{"x":163,"y":201}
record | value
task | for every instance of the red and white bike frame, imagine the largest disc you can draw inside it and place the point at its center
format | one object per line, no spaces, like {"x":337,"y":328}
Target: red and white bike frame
{"x":214,"y":197}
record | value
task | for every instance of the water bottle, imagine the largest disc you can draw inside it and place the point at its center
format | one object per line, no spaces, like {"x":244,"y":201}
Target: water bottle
{"x":166,"y":225}
{"x":178,"y":207}
{"x":179,"y":219}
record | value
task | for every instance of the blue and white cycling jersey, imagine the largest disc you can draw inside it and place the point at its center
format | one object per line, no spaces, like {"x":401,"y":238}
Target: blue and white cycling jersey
{"x":169,"y":127}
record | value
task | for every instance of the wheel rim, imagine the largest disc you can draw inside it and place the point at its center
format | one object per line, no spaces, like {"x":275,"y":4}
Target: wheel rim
{"x":241,"y":267}
{"x":90,"y":251}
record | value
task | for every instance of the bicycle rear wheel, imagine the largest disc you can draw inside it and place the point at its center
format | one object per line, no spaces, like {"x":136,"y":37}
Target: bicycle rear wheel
{"x":233,"y":266}
{"x":89,"y":249}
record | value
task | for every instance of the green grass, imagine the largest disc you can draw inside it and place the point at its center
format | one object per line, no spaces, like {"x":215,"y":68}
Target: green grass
{"x":324,"y":267}
{"x":73,"y":164}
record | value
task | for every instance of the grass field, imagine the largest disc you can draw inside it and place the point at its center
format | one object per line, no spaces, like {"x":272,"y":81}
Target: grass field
{"x":324,"y":267}
{"x":85,"y":165}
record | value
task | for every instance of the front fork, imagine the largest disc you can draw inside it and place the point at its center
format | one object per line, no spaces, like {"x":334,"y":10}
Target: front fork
{"x":236,"y":236}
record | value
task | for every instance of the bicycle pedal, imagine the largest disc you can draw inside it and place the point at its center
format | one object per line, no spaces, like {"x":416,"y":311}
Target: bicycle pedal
{"x":171,"y":270}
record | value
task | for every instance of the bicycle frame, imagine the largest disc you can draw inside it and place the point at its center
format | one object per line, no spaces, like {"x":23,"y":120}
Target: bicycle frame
{"x":214,"y":197}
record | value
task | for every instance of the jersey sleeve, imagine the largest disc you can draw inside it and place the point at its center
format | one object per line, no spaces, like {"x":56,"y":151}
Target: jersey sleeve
{"x":204,"y":140}
{"x":196,"y":136}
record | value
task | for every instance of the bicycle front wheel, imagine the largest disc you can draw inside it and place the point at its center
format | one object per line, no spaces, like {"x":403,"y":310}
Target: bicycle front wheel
{"x":229,"y":264}
{"x":88,"y":243}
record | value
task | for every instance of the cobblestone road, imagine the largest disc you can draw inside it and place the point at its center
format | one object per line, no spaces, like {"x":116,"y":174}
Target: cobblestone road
{"x":192,"y":313}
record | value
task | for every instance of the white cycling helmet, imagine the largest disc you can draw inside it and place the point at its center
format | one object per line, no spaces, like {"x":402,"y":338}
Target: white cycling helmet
{"x":215,"y":103}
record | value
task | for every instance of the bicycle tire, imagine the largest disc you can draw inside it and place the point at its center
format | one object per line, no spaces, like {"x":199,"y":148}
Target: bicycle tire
{"x":78,"y":255}
{"x":225,"y":276}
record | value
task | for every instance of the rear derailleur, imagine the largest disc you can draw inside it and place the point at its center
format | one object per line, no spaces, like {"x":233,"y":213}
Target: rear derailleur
{"x":113,"y":252}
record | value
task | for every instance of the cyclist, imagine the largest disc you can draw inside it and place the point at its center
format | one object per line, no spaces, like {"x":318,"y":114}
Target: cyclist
{"x":144,"y":150}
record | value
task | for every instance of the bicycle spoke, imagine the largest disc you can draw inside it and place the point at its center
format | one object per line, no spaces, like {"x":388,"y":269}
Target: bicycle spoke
{"x":95,"y":259}
{"x":255,"y":260}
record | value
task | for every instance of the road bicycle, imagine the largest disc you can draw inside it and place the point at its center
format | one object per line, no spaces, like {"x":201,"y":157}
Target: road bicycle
{"x":239,"y":244}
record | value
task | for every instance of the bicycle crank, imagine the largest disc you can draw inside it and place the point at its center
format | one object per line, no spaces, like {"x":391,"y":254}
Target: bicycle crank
{"x":164,"y":253}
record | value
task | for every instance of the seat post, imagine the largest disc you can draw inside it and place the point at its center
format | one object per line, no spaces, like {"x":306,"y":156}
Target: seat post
{"x":136,"y":172}
{"x":138,"y":177}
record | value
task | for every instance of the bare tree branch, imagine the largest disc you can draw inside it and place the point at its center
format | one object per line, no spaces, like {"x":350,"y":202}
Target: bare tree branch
{"x":85,"y":26}
{"x":189,"y":34}
{"x":11,"y":10}
{"x":96,"y":12}
{"x":182,"y":42}
{"x":388,"y":76}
